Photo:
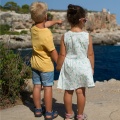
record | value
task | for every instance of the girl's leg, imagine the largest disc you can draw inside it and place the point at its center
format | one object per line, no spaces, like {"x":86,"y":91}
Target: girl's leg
{"x":37,"y":96}
{"x":68,"y":101}
{"x":80,"y":92}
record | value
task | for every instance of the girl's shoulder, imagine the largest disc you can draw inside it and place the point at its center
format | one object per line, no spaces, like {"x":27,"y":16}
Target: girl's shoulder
{"x":77,"y":33}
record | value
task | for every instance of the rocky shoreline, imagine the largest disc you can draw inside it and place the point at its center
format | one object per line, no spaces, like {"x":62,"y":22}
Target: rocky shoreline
{"x":101,"y":26}
{"x":106,"y":38}
{"x":24,"y":41}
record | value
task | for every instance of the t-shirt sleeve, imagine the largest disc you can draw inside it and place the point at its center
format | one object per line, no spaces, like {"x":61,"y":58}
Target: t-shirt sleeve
{"x":48,"y":43}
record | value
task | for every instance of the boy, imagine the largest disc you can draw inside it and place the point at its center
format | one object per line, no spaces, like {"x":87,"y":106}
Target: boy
{"x":41,"y":61}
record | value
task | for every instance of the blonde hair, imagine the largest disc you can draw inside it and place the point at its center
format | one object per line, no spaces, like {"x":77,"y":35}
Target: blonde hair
{"x":38,"y":11}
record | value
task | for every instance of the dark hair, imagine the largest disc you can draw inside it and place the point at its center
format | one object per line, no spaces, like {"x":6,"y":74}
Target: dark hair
{"x":74,"y":13}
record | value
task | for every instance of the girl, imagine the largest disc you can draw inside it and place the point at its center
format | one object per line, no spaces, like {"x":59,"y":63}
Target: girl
{"x":76,"y":61}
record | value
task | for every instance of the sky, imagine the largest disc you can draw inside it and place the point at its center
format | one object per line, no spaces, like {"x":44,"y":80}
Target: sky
{"x":96,"y":5}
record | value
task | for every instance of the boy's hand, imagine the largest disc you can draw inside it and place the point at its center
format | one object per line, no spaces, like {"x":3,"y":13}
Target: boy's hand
{"x":59,"y":22}
{"x":53,"y":22}
{"x":58,"y":68}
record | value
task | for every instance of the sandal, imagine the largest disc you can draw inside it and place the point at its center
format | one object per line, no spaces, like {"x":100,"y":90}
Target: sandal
{"x":69,"y":116}
{"x":82,"y":117}
{"x":53,"y":115}
{"x":39,"y":112}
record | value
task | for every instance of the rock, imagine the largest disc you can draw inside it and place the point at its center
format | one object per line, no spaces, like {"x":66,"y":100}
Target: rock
{"x":106,"y":38}
{"x":118,"y":27}
{"x":15,"y":20}
{"x":112,"y":80}
{"x":24,"y":41}
{"x":28,"y":86}
{"x":16,"y":41}
{"x":18,"y":25}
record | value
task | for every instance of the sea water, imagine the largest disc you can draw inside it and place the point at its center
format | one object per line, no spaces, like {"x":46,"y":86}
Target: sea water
{"x":107,"y":61}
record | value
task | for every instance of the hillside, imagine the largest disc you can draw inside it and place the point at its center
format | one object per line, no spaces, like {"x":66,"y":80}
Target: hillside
{"x":101,"y":25}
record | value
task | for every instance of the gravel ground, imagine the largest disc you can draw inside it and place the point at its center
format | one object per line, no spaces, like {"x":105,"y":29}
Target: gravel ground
{"x":102,"y":103}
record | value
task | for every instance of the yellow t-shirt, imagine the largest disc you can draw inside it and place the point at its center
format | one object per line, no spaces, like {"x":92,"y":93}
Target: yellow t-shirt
{"x":42,"y":42}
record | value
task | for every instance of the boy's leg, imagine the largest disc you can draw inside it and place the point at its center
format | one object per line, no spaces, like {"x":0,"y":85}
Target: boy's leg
{"x":68,"y":101}
{"x":37,"y":96}
{"x":48,"y":98}
{"x":80,"y":92}
{"x":36,"y":91}
{"x":47,"y":82}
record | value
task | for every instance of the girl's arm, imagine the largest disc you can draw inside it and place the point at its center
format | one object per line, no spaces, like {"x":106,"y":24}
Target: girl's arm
{"x":62,"y":54}
{"x":91,"y":53}
{"x":50,"y":23}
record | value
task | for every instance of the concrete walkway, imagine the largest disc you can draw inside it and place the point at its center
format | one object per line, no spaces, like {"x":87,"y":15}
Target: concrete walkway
{"x":103,"y":103}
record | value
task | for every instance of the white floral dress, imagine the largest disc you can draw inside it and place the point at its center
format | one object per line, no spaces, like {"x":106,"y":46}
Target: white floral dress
{"x":76,"y":70}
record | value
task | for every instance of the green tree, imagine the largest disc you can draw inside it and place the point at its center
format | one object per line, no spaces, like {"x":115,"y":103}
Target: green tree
{"x":1,"y":6}
{"x":11,"y":6}
{"x":25,"y":8}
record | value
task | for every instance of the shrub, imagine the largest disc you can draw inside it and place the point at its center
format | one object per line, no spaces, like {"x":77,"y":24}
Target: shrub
{"x":13,"y":72}
{"x":49,"y":16}
{"x":23,"y":32}
{"x":13,"y":33}
{"x":4,"y":29}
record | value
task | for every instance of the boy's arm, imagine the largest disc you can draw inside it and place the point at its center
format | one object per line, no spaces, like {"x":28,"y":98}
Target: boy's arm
{"x":54,"y":55}
{"x":62,"y":54}
{"x":50,"y":23}
{"x":91,"y":53}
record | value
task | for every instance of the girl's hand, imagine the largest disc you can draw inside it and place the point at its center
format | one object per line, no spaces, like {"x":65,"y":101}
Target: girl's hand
{"x":93,"y":71}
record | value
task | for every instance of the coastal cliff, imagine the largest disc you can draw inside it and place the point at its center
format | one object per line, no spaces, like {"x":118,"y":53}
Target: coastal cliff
{"x":102,"y":27}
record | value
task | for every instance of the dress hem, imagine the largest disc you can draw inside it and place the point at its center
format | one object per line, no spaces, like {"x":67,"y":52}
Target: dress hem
{"x":77,"y":87}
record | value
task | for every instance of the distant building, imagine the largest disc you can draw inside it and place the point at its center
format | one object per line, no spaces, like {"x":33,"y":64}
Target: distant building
{"x":108,"y":11}
{"x":104,"y":10}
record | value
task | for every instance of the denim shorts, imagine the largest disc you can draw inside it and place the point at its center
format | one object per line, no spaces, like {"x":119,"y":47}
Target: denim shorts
{"x":43,"y":78}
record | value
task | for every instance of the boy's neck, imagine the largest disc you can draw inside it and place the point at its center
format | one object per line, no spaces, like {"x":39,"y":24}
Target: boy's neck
{"x":40,"y":25}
